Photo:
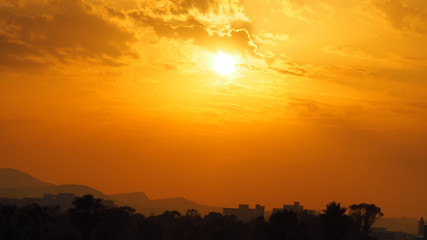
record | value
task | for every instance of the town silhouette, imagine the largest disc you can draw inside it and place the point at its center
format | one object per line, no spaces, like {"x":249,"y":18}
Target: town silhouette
{"x":88,"y":218}
{"x":26,"y":214}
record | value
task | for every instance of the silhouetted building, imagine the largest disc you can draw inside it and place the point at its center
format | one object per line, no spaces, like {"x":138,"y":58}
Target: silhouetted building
{"x":295,"y":208}
{"x":244,"y":213}
{"x":422,"y":230}
{"x":63,"y":200}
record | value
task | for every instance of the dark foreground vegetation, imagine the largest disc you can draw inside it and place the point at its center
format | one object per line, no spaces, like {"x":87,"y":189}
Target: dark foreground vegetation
{"x":89,"y":219}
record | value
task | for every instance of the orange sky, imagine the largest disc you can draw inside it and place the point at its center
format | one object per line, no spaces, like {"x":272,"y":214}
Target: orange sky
{"x":327,"y":102}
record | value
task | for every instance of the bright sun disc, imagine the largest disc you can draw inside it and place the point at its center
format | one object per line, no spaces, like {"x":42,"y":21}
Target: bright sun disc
{"x":224,"y":63}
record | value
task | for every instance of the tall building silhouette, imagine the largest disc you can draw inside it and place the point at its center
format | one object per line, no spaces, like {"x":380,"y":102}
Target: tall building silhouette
{"x":421,"y":227}
{"x":244,"y":213}
{"x":297,"y":207}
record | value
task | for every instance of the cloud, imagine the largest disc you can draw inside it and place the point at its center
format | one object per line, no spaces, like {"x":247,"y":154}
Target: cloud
{"x":12,"y":55}
{"x":289,"y":68}
{"x":44,"y":33}
{"x":231,"y":107}
{"x":270,"y":38}
{"x":326,"y":114}
{"x":61,"y":31}
{"x":209,"y":8}
{"x":305,"y":10}
{"x":12,"y":2}
{"x":305,"y":107}
{"x":213,"y":25}
{"x":403,"y":17}
{"x":346,"y":51}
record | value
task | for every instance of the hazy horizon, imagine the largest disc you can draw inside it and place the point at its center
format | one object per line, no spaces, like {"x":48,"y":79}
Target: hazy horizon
{"x":220,"y":102}
{"x":268,"y":208}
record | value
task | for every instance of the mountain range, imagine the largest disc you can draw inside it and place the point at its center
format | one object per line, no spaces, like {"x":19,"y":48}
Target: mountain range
{"x":18,"y":184}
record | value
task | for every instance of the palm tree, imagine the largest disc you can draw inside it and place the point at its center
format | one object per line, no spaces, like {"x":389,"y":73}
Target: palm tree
{"x":334,"y":222}
{"x":87,"y":203}
{"x":85,"y":213}
{"x":39,"y":217}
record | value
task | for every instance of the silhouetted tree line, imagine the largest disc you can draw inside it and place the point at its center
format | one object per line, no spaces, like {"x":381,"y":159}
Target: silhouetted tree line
{"x":90,"y":220}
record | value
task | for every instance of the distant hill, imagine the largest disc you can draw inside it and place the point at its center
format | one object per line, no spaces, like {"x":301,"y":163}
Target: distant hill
{"x":17,"y":184}
{"x":131,"y":199}
{"x":143,"y":204}
{"x":402,"y":224}
{"x":12,"y":178}
{"x":36,"y":192}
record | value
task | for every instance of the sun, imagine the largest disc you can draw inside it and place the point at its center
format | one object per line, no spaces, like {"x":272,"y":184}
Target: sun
{"x":224,"y":63}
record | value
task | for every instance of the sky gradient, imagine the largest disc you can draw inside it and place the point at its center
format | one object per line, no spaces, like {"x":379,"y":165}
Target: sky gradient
{"x":327,"y":102}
